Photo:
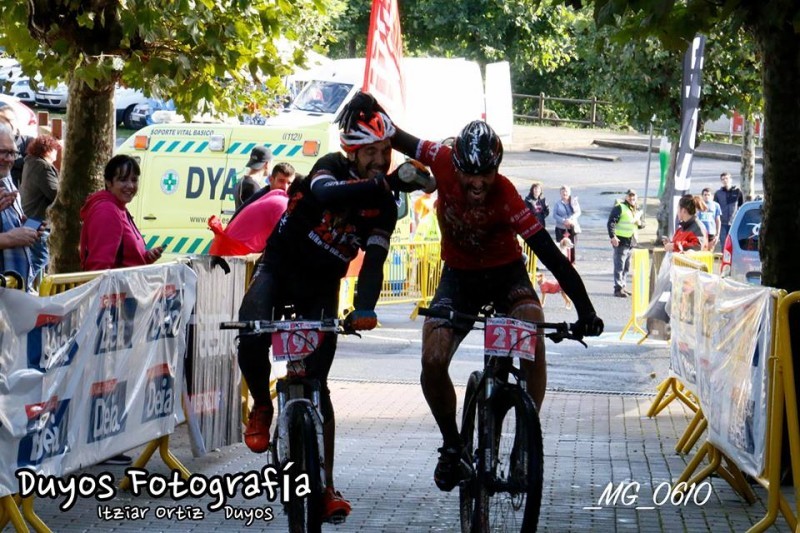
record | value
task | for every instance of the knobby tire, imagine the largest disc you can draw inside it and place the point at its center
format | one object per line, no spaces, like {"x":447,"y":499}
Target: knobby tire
{"x":304,"y":513}
{"x":511,"y":501}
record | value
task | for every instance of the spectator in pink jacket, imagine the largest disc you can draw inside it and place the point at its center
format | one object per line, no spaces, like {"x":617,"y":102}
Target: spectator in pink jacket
{"x":248,"y":230}
{"x":109,"y":238}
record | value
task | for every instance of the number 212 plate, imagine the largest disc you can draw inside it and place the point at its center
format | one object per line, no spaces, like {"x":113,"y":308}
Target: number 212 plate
{"x":507,"y":337}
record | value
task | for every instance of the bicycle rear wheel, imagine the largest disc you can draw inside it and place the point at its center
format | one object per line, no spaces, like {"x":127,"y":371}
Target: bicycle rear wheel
{"x":304,"y":513}
{"x":509,"y":497}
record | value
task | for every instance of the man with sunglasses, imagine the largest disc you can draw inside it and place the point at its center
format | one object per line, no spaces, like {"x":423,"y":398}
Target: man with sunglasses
{"x":15,"y":238}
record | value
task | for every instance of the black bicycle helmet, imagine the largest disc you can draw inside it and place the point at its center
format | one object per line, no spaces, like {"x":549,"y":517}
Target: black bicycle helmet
{"x":477,"y":148}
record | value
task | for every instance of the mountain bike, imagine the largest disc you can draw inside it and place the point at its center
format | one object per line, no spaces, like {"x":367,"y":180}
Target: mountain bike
{"x":500,"y":426}
{"x":298,"y":440}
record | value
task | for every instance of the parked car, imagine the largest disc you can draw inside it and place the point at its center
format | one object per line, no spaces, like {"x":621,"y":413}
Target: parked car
{"x":9,"y":69}
{"x":54,"y":98}
{"x":125,"y":100}
{"x":28,"y":122}
{"x":21,"y":88}
{"x":154,"y":111}
{"x":740,"y":259}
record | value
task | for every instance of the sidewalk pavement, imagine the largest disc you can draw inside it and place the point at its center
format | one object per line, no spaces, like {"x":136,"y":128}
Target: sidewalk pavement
{"x":386,"y":454}
{"x":566,"y":140}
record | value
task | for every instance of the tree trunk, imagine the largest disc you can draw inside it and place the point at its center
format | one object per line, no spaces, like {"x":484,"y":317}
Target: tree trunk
{"x":88,"y":147}
{"x":780,"y":52}
{"x":665,"y":209}
{"x":748,"y":160}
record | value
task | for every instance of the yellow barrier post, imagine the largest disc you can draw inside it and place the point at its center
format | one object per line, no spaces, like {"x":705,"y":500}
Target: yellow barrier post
{"x":783,"y":398}
{"x":10,"y":512}
{"x":640,"y":285}
{"x":429,"y":272}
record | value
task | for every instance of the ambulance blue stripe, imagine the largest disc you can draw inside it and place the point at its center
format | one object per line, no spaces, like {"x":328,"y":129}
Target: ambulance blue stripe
{"x":205,"y":250}
{"x":296,"y":148}
{"x":158,"y":146}
{"x":247,"y":148}
{"x":180,"y":244}
{"x":201,"y":147}
{"x":167,"y":242}
{"x":187,"y":146}
{"x":278,"y":149}
{"x":233,"y":148}
{"x":196,"y":244}
{"x":173,"y":146}
{"x":151,"y":241}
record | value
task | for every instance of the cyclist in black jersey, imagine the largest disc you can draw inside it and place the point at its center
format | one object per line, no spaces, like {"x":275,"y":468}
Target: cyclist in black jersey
{"x":346,"y":204}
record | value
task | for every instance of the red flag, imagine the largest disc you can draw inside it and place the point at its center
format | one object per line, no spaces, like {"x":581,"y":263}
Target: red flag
{"x":383,"y":75}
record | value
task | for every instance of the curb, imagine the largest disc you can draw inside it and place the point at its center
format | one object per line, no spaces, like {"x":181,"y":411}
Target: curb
{"x":609,"y":158}
{"x":698,"y":153}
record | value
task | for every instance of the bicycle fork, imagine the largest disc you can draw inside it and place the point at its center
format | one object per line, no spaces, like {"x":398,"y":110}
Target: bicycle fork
{"x":489,"y":434}
{"x":294,"y":392}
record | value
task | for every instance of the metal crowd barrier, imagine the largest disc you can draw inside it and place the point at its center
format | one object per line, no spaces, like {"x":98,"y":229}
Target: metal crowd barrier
{"x":782,"y":417}
{"x":782,"y":420}
{"x":53,"y":284}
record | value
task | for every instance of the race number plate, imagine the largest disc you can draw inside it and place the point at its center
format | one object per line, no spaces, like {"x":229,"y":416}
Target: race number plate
{"x":295,"y":344}
{"x":507,"y":337}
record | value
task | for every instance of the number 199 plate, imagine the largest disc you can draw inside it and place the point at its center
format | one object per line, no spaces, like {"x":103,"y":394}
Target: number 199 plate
{"x":507,"y":337}
{"x":295,"y":345}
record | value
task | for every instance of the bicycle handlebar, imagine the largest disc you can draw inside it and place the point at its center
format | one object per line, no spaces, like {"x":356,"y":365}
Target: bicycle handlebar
{"x":254,"y":327}
{"x":562,"y":330}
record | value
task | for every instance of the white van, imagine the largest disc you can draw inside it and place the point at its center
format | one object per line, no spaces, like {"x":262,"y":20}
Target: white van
{"x":442,"y":96}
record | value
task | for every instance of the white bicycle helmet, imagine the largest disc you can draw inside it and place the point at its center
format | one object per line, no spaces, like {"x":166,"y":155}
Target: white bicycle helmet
{"x":377,"y":129}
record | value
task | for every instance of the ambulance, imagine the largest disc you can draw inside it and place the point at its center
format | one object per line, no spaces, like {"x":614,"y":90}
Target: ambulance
{"x":189,"y":170}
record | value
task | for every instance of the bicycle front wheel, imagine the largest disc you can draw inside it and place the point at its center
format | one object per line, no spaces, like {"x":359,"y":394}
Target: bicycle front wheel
{"x":517,"y":471}
{"x":304,"y":513}
{"x":473,"y":500}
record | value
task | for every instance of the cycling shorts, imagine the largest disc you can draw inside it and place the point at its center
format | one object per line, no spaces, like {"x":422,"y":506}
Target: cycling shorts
{"x":467,"y":291}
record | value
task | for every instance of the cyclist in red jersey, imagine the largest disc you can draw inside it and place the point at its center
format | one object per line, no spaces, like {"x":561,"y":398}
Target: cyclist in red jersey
{"x":480,"y":214}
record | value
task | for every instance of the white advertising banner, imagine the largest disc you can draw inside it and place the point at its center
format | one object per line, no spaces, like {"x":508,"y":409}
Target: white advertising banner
{"x":682,"y":322}
{"x":721,"y":340}
{"x":92,"y":372}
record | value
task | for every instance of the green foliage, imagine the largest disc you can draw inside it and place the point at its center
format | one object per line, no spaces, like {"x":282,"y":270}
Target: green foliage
{"x":531,"y":38}
{"x":206,"y":55}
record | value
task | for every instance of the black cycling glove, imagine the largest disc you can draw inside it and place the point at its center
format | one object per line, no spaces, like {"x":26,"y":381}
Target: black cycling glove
{"x":361,"y":105}
{"x":589,"y":325}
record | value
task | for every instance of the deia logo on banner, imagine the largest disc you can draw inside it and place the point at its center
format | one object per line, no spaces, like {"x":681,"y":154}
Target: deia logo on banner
{"x":108,"y":414}
{"x":166,"y":315}
{"x":51,"y":343}
{"x":115,"y":323}
{"x":159,"y":393}
{"x":48,"y":423}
